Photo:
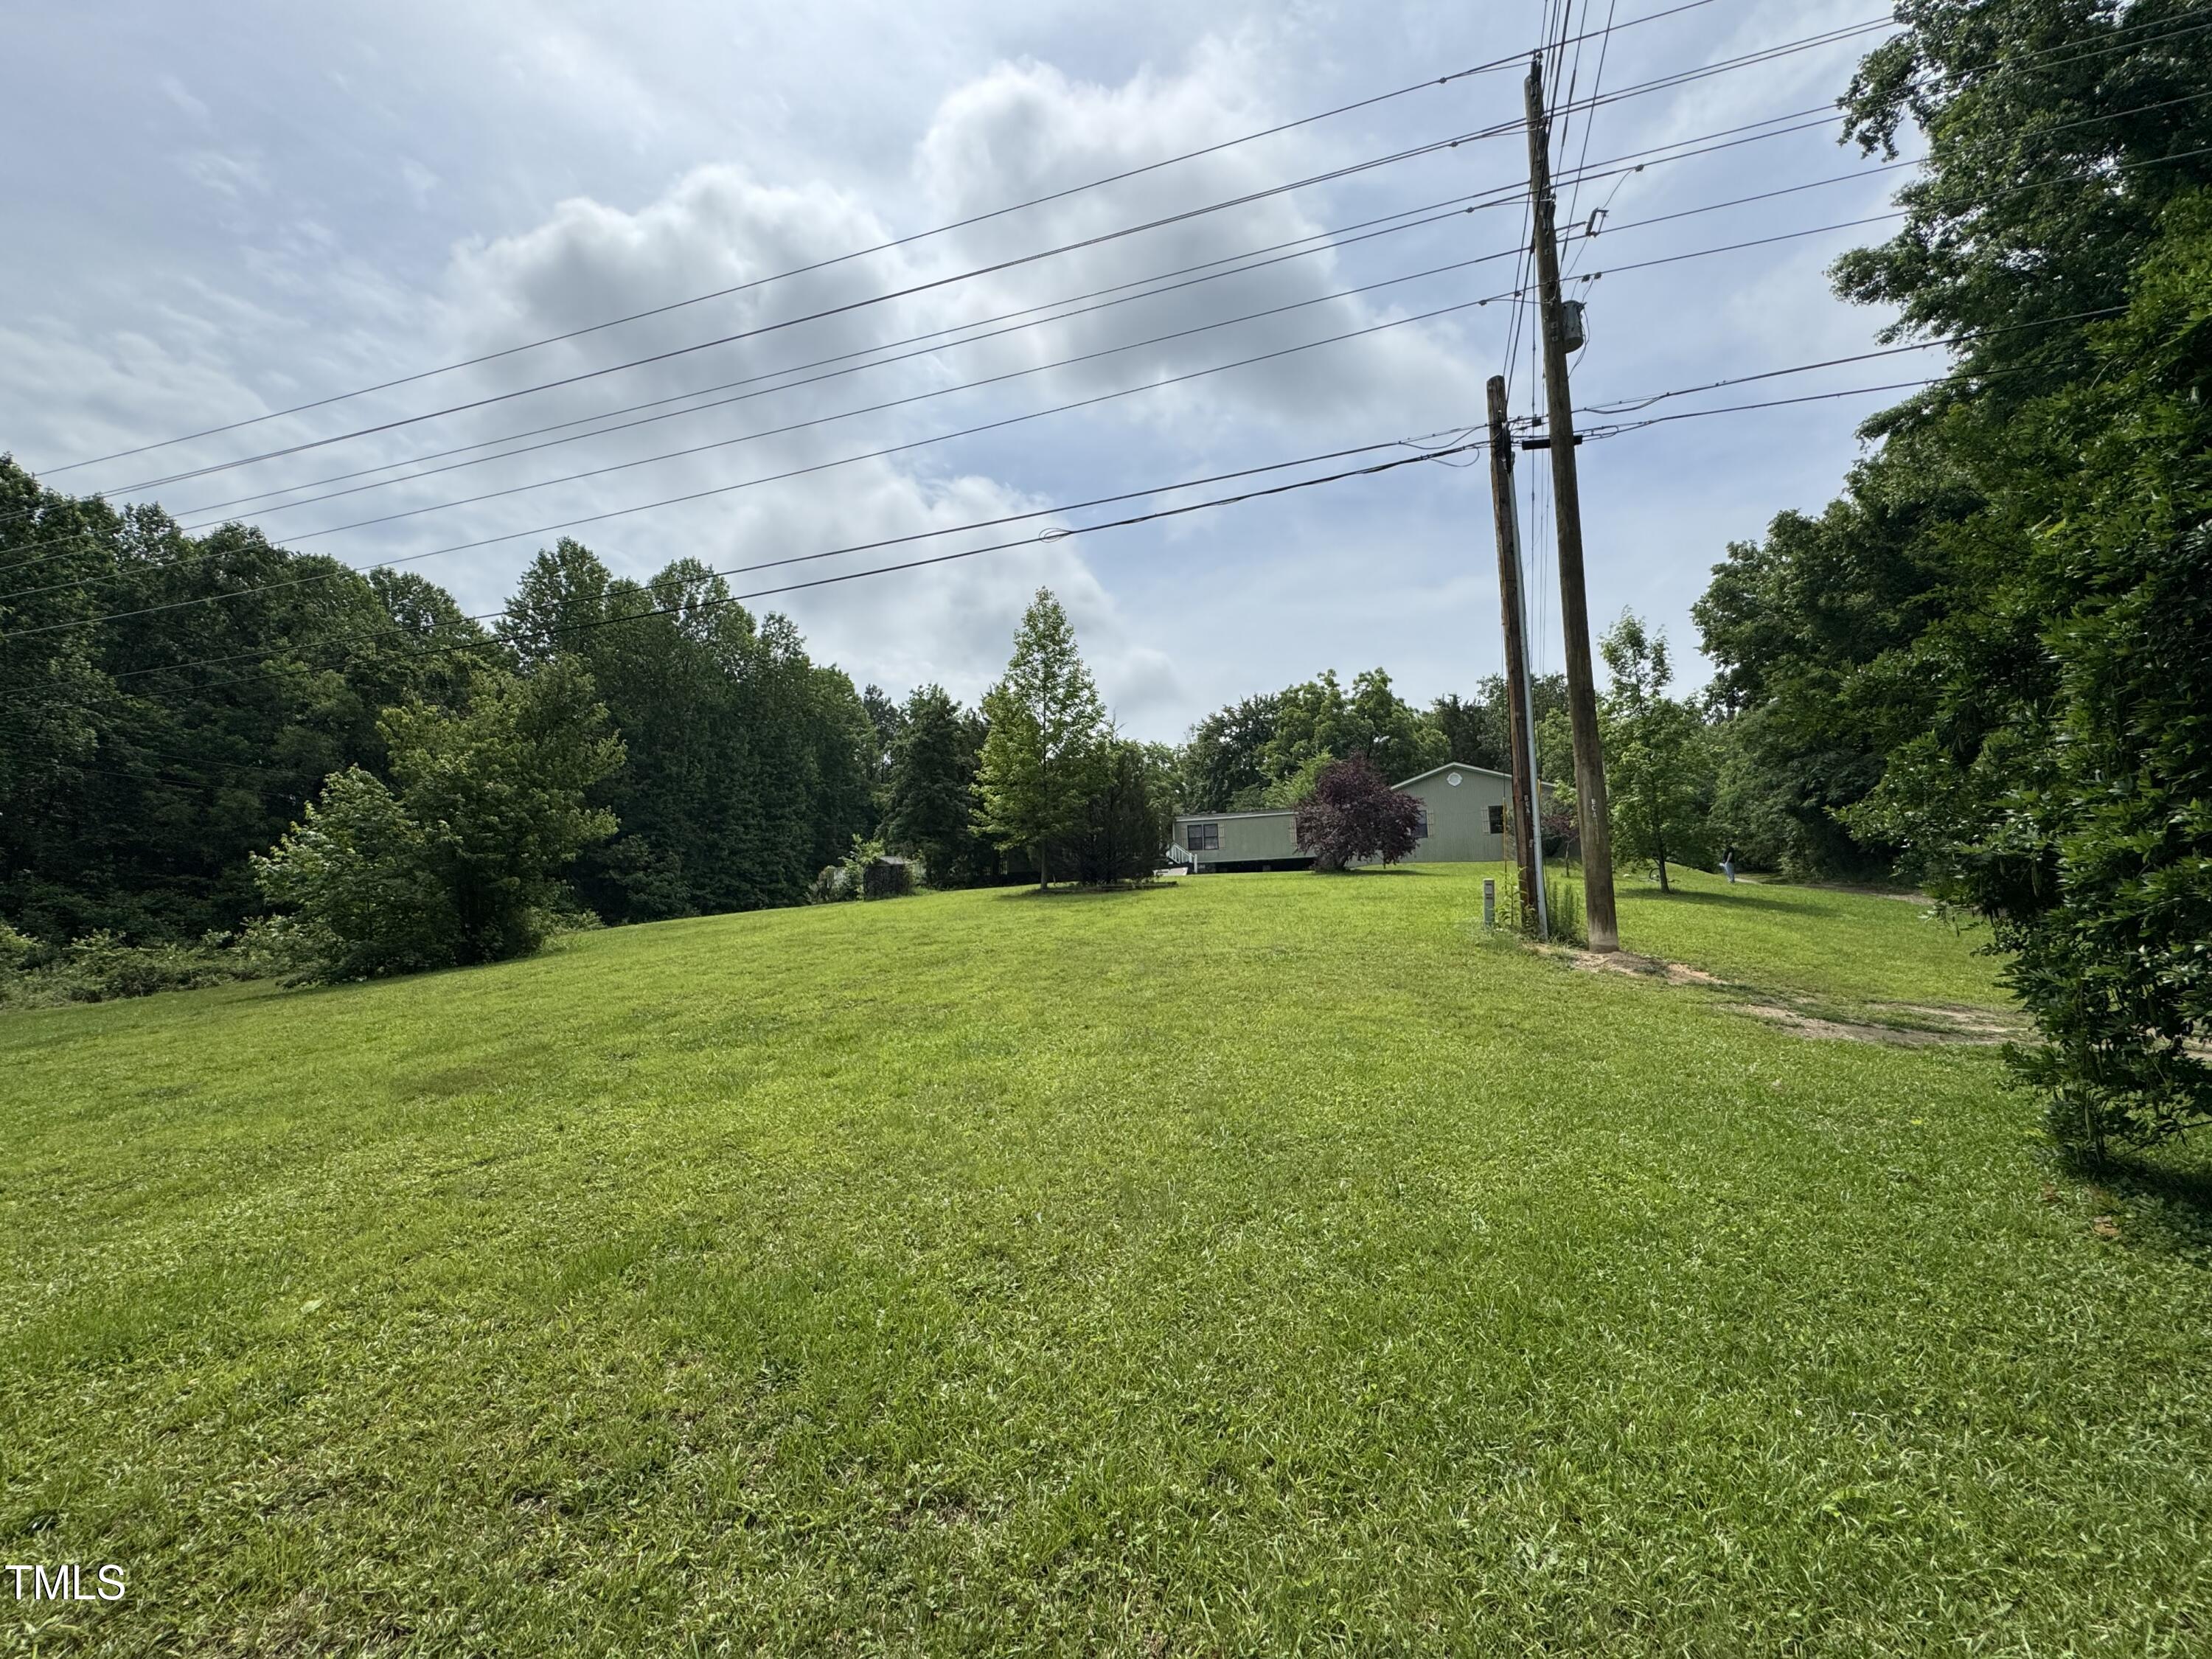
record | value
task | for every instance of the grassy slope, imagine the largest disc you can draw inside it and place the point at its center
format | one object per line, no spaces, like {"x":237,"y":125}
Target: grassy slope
{"x":1259,"y":1262}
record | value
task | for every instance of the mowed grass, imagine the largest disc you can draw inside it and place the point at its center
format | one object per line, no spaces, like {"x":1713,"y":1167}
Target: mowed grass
{"x":1255,"y":1264}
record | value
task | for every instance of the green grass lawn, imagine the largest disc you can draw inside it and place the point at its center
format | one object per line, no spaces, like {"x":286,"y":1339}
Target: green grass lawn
{"x":1254,"y":1264}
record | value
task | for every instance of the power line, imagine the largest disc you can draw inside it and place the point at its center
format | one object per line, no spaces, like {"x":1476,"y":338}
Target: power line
{"x":1630,"y":405}
{"x":1436,"y":146}
{"x":1625,"y":428}
{"x":926,"y":535}
{"x":1064,"y":534}
{"x":1048,"y":536}
{"x":858,"y":253}
{"x":211,"y":599}
{"x":935,"y":334}
{"x":1593,"y":276}
{"x":1597,"y":84}
{"x":409,"y":558}
{"x":220,"y":598}
{"x":1430,"y":148}
{"x":2058,"y":56}
{"x":1226,"y":322}
{"x":926,"y":351}
{"x":1604,"y":35}
{"x":1321,"y":241}
{"x":1500,"y":196}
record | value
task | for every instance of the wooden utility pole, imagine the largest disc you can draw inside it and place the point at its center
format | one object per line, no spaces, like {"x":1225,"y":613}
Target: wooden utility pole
{"x":1574,"y":604}
{"x":1526,"y":823}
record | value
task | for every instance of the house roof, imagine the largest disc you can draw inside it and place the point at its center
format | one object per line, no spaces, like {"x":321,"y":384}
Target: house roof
{"x":1405,"y":784}
{"x":1285,"y":811}
{"x":1450,"y":765}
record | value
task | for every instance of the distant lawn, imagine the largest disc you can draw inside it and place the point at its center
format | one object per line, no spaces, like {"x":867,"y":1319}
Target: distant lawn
{"x":1257,"y":1264}
{"x":1816,"y":940}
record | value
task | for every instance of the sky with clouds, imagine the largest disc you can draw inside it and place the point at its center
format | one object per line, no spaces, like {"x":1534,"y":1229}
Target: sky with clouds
{"x":218,"y":211}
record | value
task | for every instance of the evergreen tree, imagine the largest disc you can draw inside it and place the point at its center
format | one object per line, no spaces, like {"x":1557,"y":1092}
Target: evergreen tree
{"x":1128,"y":818}
{"x":931,"y":802}
{"x":1047,"y":736}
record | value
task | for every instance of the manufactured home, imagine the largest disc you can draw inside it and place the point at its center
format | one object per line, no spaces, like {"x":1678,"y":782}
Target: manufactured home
{"x":1462,"y":821}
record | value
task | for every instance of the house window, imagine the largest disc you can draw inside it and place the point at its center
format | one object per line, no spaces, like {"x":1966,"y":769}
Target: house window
{"x":1497,"y":820}
{"x":1421,"y":821}
{"x":1205,"y":838}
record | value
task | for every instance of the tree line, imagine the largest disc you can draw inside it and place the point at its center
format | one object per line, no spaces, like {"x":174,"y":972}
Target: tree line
{"x":1986,"y":666}
{"x":209,"y":739}
{"x":209,"y":736}
{"x":173,"y":703}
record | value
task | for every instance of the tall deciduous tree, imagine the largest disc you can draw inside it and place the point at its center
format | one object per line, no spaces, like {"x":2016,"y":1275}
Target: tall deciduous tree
{"x":1370,"y":721}
{"x":2001,"y":628}
{"x":1223,"y":767}
{"x":1479,"y":730}
{"x":1658,"y":771}
{"x":1048,"y":739}
{"x":1267,"y":750}
{"x":192,"y":695}
{"x":748,"y":764}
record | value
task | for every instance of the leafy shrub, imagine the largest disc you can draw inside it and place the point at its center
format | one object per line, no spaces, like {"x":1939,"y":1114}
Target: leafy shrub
{"x":356,"y":872}
{"x":459,"y":863}
{"x":1563,"y":904}
{"x":102,"y":966}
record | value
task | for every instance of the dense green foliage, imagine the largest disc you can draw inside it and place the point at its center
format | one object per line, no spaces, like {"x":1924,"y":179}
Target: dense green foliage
{"x":2078,"y":816}
{"x":1657,"y":760}
{"x":748,"y":766}
{"x":101,"y":966}
{"x":134,"y":788}
{"x":174,"y":702}
{"x":1267,"y":750}
{"x":1249,"y":1265}
{"x":460,"y":859}
{"x":1478,"y":729}
{"x":929,"y":808}
{"x":1988,"y":661}
{"x":1128,"y":818}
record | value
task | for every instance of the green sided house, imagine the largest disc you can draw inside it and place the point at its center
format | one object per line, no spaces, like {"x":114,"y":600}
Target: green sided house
{"x":1462,"y":821}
